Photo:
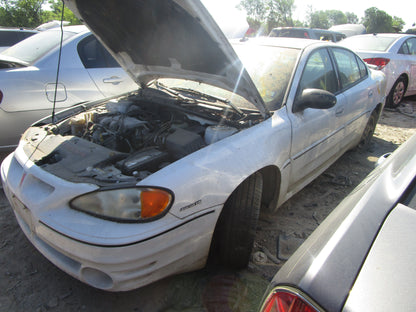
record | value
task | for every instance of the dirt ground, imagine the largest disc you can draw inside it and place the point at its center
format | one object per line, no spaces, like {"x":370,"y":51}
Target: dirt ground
{"x":29,"y":282}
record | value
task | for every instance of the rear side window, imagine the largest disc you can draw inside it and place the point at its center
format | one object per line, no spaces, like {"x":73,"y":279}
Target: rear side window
{"x":93,"y":54}
{"x":9,"y":38}
{"x":349,"y":70}
{"x":408,"y":47}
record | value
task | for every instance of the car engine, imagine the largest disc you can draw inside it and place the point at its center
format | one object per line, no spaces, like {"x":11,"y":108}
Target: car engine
{"x":130,"y":138}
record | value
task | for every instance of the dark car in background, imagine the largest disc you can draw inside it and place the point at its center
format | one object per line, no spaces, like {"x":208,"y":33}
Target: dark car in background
{"x":11,"y":36}
{"x":361,"y":258}
{"x":308,"y":33}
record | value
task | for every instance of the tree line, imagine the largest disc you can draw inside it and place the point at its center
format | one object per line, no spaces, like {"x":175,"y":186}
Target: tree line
{"x":265,"y":14}
{"x":32,"y":13}
{"x":269,"y":14}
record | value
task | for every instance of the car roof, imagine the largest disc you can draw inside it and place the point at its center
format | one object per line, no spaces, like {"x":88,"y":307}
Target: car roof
{"x":284,"y":42}
{"x":75,"y":28}
{"x":386,"y":35}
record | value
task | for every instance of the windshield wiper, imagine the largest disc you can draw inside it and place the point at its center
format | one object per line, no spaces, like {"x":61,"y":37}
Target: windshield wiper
{"x":205,"y":98}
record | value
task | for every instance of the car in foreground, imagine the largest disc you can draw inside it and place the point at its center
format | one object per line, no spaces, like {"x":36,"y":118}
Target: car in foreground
{"x":395,"y":56}
{"x":11,"y":36}
{"x":28,"y":73}
{"x":361,"y":258}
{"x":124,"y":192}
{"x":308,"y":33}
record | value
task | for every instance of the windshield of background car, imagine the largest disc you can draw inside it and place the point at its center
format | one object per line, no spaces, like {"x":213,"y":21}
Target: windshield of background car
{"x":34,"y":47}
{"x":270,"y":68}
{"x":368,"y":43}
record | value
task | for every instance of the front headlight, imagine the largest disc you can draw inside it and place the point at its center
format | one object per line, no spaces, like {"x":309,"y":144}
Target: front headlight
{"x":125,"y":204}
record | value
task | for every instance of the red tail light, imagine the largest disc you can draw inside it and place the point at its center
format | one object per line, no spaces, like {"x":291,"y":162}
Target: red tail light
{"x":284,"y":301}
{"x":380,"y":62}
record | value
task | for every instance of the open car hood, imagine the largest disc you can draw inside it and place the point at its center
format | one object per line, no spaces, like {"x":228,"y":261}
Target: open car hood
{"x":167,"y":39}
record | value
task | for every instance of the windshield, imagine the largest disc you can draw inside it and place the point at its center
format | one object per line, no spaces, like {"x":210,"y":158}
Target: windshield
{"x":368,"y":43}
{"x":34,"y":47}
{"x":270,"y":68}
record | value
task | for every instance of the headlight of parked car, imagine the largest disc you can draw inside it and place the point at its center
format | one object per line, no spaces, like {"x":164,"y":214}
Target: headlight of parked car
{"x":125,"y":204}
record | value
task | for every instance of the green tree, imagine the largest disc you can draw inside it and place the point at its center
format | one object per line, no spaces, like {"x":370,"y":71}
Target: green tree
{"x":319,"y":19}
{"x":377,"y":21}
{"x":351,"y":18}
{"x":398,"y":24}
{"x":336,"y":17}
{"x":268,"y":13}
{"x":21,"y":13}
{"x":56,"y":13}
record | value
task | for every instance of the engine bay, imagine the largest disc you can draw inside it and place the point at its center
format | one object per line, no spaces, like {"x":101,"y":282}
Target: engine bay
{"x":127,"y":139}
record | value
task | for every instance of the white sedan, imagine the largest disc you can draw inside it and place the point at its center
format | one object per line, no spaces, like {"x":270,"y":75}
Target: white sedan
{"x":395,"y":56}
{"x":28,"y":73}
{"x":124,"y":192}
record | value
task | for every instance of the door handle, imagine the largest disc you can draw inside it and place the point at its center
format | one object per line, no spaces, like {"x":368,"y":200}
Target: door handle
{"x":114,"y":80}
{"x":339,"y":111}
{"x":370,"y":93}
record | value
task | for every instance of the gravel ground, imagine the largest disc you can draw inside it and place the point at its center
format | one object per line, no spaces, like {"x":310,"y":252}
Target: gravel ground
{"x":29,"y":282}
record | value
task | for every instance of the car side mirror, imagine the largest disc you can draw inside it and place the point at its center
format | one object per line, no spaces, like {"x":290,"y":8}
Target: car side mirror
{"x":314,"y":98}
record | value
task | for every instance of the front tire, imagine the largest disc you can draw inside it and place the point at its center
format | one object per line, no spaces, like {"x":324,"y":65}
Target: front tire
{"x":236,"y":227}
{"x":396,"y":93}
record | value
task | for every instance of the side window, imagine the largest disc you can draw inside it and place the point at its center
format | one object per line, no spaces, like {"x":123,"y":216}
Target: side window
{"x":349,"y":70}
{"x":94,"y":55}
{"x":319,"y":73}
{"x":411,"y":43}
{"x":404,"y":49}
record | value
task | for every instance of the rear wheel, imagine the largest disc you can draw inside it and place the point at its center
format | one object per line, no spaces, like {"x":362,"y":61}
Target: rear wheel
{"x":236,"y":227}
{"x":396,"y":93}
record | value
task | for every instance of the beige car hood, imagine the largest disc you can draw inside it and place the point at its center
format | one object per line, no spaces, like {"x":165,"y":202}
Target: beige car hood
{"x":167,"y":39}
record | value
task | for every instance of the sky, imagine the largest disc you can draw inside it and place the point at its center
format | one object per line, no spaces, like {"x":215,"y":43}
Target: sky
{"x":405,"y":9}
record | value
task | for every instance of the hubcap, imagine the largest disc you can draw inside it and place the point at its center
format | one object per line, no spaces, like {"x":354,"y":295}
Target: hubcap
{"x":398,"y":93}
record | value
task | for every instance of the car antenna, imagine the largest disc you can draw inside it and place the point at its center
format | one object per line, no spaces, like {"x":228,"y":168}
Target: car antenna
{"x":59,"y":63}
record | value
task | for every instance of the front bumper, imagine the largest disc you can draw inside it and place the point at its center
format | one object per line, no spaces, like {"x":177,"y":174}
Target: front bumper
{"x":113,"y":267}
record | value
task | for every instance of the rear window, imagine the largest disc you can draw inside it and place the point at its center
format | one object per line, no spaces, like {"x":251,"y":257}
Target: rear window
{"x":368,"y":43}
{"x":35,"y":47}
{"x":11,"y":37}
{"x":291,"y":33}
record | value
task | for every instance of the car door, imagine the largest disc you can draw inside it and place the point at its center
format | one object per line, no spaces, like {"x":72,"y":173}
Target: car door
{"x":316,"y":133}
{"x":359,"y":94}
{"x":106,"y":73}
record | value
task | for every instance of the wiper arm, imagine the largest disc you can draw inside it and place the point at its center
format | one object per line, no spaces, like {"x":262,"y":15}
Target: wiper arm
{"x":177,"y":93}
{"x":217,"y":98}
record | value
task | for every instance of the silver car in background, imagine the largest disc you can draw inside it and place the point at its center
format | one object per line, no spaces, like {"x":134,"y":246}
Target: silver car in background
{"x":361,"y":258}
{"x":28,"y":77}
{"x":395,"y":56}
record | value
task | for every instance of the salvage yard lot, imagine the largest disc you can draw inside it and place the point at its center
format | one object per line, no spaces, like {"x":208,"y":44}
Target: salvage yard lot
{"x":29,"y":282}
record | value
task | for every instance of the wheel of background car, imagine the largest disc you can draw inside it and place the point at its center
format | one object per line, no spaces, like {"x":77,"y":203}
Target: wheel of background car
{"x":236,"y":227}
{"x":396,"y":93}
{"x":368,"y":131}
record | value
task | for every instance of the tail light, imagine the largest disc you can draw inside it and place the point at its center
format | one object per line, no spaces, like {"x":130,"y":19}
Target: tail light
{"x":380,"y":62}
{"x":1,"y":97}
{"x":287,"y":300}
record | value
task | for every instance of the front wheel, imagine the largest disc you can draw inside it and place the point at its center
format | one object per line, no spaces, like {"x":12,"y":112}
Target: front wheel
{"x":236,"y":227}
{"x":396,"y":93}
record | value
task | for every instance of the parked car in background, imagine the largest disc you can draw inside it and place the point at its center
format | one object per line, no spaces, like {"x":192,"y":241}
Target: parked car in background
{"x":394,"y":55}
{"x":349,"y":29}
{"x":361,"y":258}
{"x":124,"y":192}
{"x":11,"y":36}
{"x":28,"y":78}
{"x":308,"y":33}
